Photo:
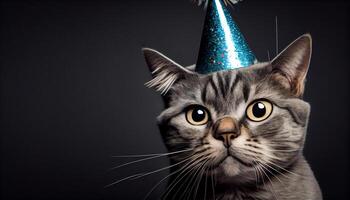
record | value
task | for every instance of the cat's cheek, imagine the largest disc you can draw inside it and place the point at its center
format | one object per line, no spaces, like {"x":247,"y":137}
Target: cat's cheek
{"x":240,"y":141}
{"x":187,"y":130}
{"x":219,"y":149}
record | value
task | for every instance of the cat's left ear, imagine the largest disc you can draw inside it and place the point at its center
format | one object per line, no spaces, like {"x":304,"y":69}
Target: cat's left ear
{"x":165,"y":72}
{"x":291,"y":65}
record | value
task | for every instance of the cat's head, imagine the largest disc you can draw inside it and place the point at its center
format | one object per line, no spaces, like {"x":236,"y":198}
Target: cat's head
{"x":234,"y":122}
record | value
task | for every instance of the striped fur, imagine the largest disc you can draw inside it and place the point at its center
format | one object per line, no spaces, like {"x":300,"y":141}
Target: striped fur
{"x":266,"y":158}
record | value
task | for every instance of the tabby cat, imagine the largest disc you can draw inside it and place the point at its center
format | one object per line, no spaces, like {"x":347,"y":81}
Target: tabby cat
{"x":239,"y":133}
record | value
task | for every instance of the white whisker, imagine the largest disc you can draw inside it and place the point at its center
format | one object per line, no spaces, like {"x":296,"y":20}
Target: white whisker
{"x":140,"y":175}
{"x":271,"y":172}
{"x":271,"y":188}
{"x":205,"y":186}
{"x":203,"y":169}
{"x":282,"y":168}
{"x":259,"y":172}
{"x":153,"y":154}
{"x":144,"y":159}
{"x":256,"y":176}
{"x":276,"y":23}
{"x":155,"y":186}
{"x":212,"y":183}
{"x":161,"y":169}
{"x":193,"y":178}
{"x":123,"y":179}
{"x":185,"y":170}
{"x":194,"y":175}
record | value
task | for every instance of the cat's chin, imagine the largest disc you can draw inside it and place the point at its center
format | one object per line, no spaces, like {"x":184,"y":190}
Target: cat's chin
{"x":229,"y":167}
{"x":231,"y":170}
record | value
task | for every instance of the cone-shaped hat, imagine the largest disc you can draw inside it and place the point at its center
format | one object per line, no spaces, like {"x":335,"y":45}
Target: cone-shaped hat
{"x":223,"y":46}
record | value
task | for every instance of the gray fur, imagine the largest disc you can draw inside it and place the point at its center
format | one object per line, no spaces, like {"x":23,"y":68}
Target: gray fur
{"x":276,"y":142}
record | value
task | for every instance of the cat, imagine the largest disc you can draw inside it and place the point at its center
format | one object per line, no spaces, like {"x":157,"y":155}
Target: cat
{"x":239,"y":133}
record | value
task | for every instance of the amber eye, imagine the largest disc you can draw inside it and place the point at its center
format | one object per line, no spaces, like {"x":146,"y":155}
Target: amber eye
{"x":197,"y":115}
{"x":259,"y":110}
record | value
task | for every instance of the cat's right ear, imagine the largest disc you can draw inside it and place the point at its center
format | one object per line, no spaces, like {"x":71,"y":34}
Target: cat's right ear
{"x":291,"y":65}
{"x":165,"y":72}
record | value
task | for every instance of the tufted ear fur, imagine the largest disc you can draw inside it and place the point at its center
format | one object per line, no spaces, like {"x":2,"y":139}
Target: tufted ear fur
{"x":291,"y":65}
{"x":165,"y":72}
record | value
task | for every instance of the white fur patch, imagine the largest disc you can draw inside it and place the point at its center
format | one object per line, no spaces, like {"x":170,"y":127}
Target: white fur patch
{"x":230,"y":167}
{"x":163,"y":79}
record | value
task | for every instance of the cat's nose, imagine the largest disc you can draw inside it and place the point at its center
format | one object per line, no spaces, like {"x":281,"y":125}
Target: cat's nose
{"x":226,"y":129}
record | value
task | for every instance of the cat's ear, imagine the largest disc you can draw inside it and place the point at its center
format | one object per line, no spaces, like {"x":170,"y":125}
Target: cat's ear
{"x":165,"y":72}
{"x":291,"y":65}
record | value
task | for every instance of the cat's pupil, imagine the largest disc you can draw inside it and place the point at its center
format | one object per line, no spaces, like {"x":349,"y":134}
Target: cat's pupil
{"x":198,"y":115}
{"x":259,"y":110}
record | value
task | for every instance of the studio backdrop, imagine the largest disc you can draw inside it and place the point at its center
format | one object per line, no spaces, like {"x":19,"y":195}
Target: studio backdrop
{"x":72,"y":91}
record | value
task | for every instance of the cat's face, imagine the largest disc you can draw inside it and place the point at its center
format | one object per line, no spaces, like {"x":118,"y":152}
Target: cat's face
{"x":233,"y":123}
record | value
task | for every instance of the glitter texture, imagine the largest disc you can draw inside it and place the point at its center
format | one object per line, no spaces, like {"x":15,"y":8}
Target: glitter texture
{"x":223,"y":46}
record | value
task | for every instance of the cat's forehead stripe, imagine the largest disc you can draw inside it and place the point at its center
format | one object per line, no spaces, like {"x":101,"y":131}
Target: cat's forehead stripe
{"x":222,"y":90}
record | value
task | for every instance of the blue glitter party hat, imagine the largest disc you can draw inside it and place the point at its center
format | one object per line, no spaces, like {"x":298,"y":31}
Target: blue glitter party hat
{"x":223,"y":46}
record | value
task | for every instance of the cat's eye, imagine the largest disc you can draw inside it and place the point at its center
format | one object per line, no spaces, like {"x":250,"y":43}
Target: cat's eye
{"x":259,"y":110}
{"x":197,"y":115}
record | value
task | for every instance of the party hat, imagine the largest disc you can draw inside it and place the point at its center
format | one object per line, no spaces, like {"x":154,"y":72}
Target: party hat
{"x":223,"y":46}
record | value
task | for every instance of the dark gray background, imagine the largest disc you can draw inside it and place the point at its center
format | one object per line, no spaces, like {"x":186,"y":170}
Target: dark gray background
{"x":72,"y":91}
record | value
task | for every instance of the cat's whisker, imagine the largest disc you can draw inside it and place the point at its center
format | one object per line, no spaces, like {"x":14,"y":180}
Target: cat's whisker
{"x":196,"y":181}
{"x":268,"y":55}
{"x":153,"y":154}
{"x":140,"y":175}
{"x":205,"y":186}
{"x":263,"y":165}
{"x":274,"y":150}
{"x":282,"y":168}
{"x":259,"y":172}
{"x":189,"y":169}
{"x":123,"y":179}
{"x":184,"y":171}
{"x":149,"y":158}
{"x":203,"y":169}
{"x":248,"y":152}
{"x":190,"y":178}
{"x":266,"y":163}
{"x":271,"y":162}
{"x":161,"y":169}
{"x":272,"y":187}
{"x":270,"y":156}
{"x":155,"y":186}
{"x":282,"y":174}
{"x":256,"y":176}
{"x":184,"y":143}
{"x":276,"y":24}
{"x":192,"y":169}
{"x":193,"y":177}
{"x":288,"y":151}
{"x":212,"y":183}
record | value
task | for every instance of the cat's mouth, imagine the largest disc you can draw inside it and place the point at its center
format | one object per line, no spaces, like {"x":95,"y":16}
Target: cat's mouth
{"x":229,"y":155}
{"x":230,"y":165}
{"x":236,"y":158}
